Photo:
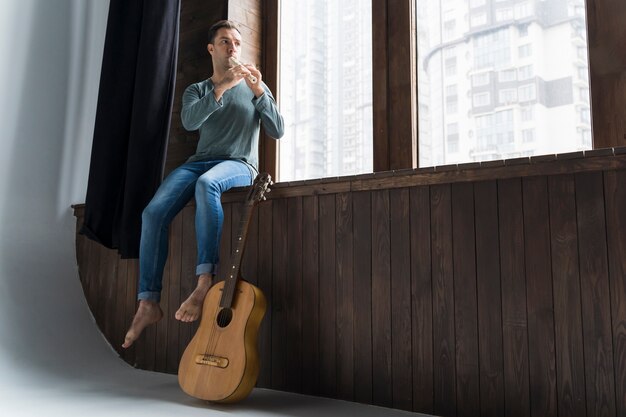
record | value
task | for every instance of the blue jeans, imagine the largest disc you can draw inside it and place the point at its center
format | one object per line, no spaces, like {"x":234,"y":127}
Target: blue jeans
{"x":207,"y":180}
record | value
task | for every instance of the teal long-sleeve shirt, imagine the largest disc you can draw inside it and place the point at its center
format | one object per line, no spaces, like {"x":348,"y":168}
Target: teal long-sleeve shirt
{"x":229,"y":128}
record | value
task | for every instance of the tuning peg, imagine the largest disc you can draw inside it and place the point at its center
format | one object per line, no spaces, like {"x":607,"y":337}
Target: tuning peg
{"x":269,"y":190}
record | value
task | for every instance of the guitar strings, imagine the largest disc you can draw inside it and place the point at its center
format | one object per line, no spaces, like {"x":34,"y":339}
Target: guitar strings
{"x":212,"y":332}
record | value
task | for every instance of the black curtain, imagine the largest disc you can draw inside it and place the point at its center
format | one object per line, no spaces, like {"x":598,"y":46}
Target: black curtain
{"x":132,"y":119}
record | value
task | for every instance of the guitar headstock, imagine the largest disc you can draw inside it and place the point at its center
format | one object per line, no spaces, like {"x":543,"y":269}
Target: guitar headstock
{"x":260,"y":186}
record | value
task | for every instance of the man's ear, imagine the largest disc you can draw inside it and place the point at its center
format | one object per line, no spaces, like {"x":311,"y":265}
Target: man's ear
{"x":210,"y":48}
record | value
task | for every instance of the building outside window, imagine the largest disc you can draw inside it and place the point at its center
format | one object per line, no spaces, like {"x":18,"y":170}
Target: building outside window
{"x":325,"y":88}
{"x":536,"y":102}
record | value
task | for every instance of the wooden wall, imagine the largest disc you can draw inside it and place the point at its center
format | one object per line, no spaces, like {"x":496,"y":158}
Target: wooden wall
{"x":468,"y":290}
{"x":607,"y":65}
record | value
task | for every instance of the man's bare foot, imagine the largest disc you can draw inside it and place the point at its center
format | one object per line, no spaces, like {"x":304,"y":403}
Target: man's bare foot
{"x":191,"y":309}
{"x":147,"y":313}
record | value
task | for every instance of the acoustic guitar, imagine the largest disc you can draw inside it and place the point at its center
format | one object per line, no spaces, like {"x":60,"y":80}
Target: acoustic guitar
{"x":221,"y":362}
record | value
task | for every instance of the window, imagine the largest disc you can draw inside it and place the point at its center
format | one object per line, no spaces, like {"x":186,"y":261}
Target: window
{"x":327,"y":111}
{"x":526,"y":92}
{"x":507,"y":75}
{"x":478,"y":19}
{"x":504,"y":14}
{"x":527,"y":114}
{"x":481,"y":99}
{"x":452,"y":137}
{"x":448,"y":29}
{"x":480,"y":79}
{"x":450,"y":66}
{"x":510,"y":93}
{"x":528,"y":135}
{"x":525,"y":72}
{"x":522,"y":10}
{"x":452,"y":99}
{"x":508,"y":96}
{"x":523,"y":31}
{"x":525,"y":51}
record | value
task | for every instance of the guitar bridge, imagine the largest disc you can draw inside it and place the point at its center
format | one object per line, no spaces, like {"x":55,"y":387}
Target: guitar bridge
{"x":212,"y":360}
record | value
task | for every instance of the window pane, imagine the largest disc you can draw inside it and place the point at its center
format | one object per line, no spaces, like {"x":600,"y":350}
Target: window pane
{"x":325,"y":88}
{"x":518,"y":84}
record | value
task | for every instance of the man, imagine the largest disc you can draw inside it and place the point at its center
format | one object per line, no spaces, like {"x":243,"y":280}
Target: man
{"x":227,"y":109}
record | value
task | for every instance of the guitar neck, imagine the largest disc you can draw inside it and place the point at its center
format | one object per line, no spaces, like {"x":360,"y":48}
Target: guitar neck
{"x":232,"y":275}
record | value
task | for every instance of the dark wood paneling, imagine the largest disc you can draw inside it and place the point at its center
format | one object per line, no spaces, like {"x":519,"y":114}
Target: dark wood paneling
{"x":381,"y":301}
{"x":293,"y":377}
{"x":615,"y":194}
{"x":400,"y":258}
{"x":311,"y":303}
{"x":567,"y":308}
{"x":443,"y":301}
{"x":421,"y":300}
{"x":542,"y":362}
{"x":265,"y":274}
{"x":465,"y":300}
{"x":362,"y":238}
{"x":594,"y":289}
{"x":491,"y":298}
{"x":513,"y":286}
{"x":607,"y":64}
{"x":328,"y":298}
{"x":280,"y":287}
{"x":345,"y":296}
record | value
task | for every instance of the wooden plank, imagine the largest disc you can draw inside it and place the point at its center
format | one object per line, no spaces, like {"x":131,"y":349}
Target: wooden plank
{"x":615,"y":195}
{"x":188,"y":262}
{"x":107,"y":284}
{"x":567,"y":306}
{"x":541,"y":343}
{"x":279,"y":295}
{"x":443,"y":301}
{"x":160,"y":348}
{"x":380,"y":87}
{"x":465,"y":302}
{"x":174,"y":297}
{"x":362,"y":238}
{"x":400,"y":258}
{"x":328,"y":314}
{"x":402,"y":83}
{"x":513,"y":284}
{"x":422,"y":300}
{"x":119,"y":326}
{"x":293,"y":261}
{"x":381,"y":300}
{"x":595,"y":291}
{"x":310,"y":298}
{"x":130,"y":304}
{"x":265,"y":284}
{"x":345,"y":296}
{"x":268,"y":148}
{"x":489,"y":298}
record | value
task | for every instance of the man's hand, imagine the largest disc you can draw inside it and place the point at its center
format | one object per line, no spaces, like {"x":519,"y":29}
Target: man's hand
{"x":256,"y":87}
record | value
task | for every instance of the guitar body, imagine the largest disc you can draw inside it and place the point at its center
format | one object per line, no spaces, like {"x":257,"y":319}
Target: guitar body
{"x":221,"y":362}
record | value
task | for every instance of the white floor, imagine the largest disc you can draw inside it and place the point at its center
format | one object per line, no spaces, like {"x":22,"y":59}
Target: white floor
{"x":54,"y":361}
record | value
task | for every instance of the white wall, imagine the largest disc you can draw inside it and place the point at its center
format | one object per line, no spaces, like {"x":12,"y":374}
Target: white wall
{"x":50,"y":57}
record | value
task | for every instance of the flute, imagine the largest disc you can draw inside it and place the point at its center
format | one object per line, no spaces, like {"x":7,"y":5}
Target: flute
{"x":235,"y":62}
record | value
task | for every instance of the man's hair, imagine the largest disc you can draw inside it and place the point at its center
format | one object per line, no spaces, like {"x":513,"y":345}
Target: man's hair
{"x":228,"y":24}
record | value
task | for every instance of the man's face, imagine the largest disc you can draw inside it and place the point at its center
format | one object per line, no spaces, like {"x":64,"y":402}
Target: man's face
{"x":227,"y":43}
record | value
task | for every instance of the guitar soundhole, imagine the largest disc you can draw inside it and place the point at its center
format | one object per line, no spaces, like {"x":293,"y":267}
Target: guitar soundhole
{"x":224,"y":317}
